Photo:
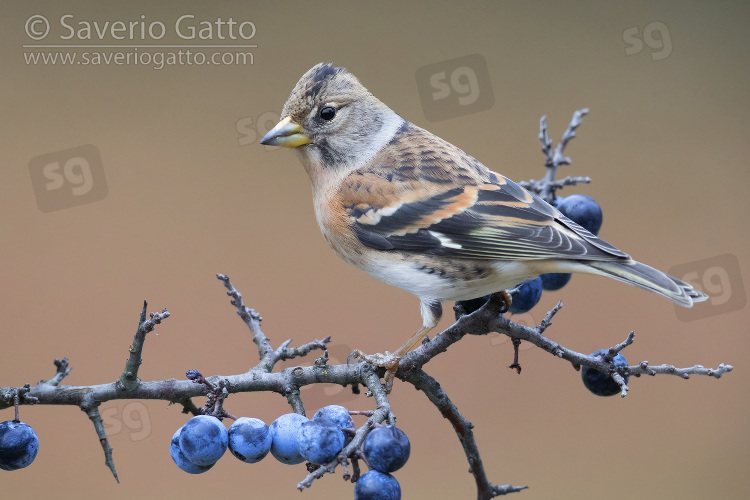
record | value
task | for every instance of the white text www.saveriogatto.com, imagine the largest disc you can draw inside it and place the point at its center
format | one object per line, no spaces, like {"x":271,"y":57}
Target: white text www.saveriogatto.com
{"x":135,"y":57}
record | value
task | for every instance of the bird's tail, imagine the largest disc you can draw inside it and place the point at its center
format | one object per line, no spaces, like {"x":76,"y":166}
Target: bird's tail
{"x":648,"y":278}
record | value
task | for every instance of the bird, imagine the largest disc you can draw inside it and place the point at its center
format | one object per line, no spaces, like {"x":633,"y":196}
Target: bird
{"x":418,"y":213}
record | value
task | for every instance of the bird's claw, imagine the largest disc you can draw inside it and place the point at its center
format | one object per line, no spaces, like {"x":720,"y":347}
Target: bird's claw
{"x":388,"y":361}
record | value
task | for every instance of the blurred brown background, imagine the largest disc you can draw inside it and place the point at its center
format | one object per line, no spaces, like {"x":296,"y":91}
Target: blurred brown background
{"x":190,"y":192}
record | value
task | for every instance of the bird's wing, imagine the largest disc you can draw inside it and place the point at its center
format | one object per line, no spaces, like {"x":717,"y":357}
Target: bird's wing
{"x":422,"y":194}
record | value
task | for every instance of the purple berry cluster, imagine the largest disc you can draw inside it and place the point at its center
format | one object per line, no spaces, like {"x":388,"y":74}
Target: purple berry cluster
{"x":292,"y":439}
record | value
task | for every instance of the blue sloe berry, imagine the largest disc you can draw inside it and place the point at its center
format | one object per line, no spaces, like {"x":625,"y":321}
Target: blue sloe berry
{"x":181,"y":460}
{"x":319,"y":442}
{"x":554,"y":281}
{"x":375,"y":485}
{"x":583,"y":210}
{"x":335,"y":415}
{"x":18,"y":445}
{"x":386,"y":448}
{"x":249,"y":439}
{"x":204,"y":439}
{"x":600,"y":383}
{"x":527,"y":297}
{"x":284,"y":444}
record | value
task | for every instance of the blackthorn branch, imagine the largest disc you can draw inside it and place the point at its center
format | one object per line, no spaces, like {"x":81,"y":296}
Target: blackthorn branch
{"x":288,"y":382}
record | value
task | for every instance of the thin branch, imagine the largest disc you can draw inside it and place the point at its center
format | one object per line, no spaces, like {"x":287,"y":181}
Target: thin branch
{"x":92,"y":410}
{"x":129,"y":375}
{"x":552,"y":160}
{"x":643,"y":368}
{"x":284,"y":352}
{"x":252,"y":319}
{"x":547,"y":321}
{"x":603,"y":364}
{"x":268,"y":356}
{"x":546,"y":141}
{"x":558,"y":158}
{"x":178,"y":391}
{"x":295,"y":401}
{"x":188,"y":406}
{"x":463,"y":428}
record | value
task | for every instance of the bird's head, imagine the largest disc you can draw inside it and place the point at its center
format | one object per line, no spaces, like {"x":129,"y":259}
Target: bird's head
{"x":331,"y":118}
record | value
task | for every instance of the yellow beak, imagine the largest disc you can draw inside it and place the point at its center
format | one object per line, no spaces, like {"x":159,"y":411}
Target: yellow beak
{"x":286,"y":134}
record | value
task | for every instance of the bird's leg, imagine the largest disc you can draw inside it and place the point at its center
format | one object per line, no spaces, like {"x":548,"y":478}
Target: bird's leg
{"x":432,"y":311}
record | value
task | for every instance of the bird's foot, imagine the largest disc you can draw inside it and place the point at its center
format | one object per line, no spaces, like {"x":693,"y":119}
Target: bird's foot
{"x":388,"y":361}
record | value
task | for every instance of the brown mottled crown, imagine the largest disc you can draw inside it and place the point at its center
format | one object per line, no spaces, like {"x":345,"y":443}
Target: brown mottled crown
{"x":323,"y":79}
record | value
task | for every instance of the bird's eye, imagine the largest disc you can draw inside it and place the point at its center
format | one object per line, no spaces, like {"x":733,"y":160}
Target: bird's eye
{"x":327,"y":113}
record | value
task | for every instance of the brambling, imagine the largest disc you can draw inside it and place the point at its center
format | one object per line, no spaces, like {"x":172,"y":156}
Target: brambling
{"x":417,"y":212}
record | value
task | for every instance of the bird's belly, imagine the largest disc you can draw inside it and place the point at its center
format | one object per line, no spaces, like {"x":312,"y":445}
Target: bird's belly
{"x":427,"y":277}
{"x":447,"y":280}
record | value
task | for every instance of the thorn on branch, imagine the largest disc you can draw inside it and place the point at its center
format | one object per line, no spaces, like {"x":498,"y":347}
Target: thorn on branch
{"x":496,"y":491}
{"x":615,"y":350}
{"x":284,"y":352}
{"x":547,"y":321}
{"x":129,"y":377}
{"x":92,"y":410}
